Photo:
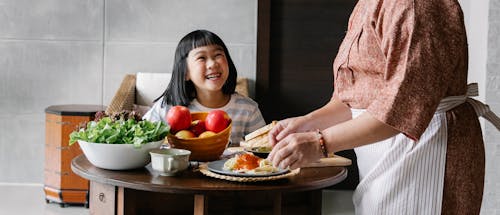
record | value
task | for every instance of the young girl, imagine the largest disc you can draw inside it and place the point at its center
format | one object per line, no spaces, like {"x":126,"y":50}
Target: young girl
{"x":203,"y":79}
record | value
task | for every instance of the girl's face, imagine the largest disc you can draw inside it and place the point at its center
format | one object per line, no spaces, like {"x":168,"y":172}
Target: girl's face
{"x":207,"y":68}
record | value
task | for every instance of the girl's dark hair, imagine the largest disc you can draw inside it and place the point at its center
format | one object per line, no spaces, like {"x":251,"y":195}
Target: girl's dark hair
{"x":179,"y":90}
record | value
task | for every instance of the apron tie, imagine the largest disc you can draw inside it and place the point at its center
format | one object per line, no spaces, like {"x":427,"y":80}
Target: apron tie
{"x":481,"y":109}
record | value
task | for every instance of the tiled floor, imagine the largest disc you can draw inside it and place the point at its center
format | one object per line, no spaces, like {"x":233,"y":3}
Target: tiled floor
{"x":337,"y":202}
{"x":30,"y":200}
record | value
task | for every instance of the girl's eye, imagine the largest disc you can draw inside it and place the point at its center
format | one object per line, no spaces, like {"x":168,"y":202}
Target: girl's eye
{"x":200,"y":58}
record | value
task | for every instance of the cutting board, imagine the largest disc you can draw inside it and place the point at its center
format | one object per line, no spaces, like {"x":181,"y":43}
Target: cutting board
{"x":334,"y":160}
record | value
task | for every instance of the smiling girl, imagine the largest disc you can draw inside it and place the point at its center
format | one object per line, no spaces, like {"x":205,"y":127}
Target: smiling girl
{"x":204,"y":79}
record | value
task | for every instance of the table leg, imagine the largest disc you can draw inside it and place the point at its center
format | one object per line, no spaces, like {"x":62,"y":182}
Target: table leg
{"x":277,"y":204}
{"x":316,"y":199}
{"x":102,"y":198}
{"x":120,"y":201}
{"x":200,"y":204}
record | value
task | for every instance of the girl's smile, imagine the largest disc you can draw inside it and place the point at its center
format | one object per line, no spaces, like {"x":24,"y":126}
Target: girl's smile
{"x":213,"y":75}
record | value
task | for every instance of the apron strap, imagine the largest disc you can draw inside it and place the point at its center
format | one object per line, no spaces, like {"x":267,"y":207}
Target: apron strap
{"x":482,"y":110}
{"x":485,"y":111}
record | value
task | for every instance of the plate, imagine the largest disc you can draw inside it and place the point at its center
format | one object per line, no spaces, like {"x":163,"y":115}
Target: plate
{"x":204,"y":170}
{"x":218,"y":167}
{"x":261,"y":152}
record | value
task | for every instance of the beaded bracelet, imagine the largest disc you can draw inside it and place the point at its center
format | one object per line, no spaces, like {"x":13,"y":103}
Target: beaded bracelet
{"x":322,"y":143}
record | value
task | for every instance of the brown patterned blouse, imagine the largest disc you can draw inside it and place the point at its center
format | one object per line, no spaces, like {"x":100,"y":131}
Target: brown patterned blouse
{"x":400,"y":58}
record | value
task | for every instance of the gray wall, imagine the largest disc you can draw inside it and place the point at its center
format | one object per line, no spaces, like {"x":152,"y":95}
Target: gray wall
{"x":491,"y":203}
{"x":77,"y":52}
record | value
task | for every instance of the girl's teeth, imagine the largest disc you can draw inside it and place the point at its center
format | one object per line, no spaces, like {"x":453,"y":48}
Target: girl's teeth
{"x":213,"y":76}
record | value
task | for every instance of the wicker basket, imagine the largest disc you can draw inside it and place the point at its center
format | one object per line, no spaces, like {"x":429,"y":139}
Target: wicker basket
{"x":203,"y":149}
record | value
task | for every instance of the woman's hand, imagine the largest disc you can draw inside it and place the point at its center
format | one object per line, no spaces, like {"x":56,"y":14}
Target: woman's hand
{"x":332,"y":113}
{"x":296,"y":150}
{"x":293,"y":143}
{"x":285,"y":127}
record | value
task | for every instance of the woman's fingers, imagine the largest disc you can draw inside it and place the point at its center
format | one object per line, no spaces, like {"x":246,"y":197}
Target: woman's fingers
{"x":287,"y":153}
{"x":274,"y":132}
{"x":287,"y":162}
{"x":295,"y":150}
{"x":272,"y":154}
{"x":296,"y":164}
{"x":279,"y":153}
{"x":285,"y":130}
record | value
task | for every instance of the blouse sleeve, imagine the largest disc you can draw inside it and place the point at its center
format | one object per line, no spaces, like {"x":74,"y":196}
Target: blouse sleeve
{"x":421,"y":41}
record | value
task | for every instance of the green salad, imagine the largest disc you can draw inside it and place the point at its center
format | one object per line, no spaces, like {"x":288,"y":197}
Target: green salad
{"x":122,"y":128}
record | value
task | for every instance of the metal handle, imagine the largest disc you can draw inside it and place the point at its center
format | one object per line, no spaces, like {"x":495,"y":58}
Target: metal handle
{"x":102,"y":197}
{"x":164,"y":146}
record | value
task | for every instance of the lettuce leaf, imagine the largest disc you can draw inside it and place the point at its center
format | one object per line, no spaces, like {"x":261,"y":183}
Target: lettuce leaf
{"x":120,"y":131}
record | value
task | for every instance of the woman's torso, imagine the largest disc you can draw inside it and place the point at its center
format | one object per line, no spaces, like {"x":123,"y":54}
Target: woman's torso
{"x":399,"y":56}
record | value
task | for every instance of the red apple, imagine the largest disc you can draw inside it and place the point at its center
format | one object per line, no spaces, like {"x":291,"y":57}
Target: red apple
{"x":217,"y":120}
{"x":197,"y":127}
{"x":184,"y":134}
{"x":207,"y":134}
{"x":179,"y":118}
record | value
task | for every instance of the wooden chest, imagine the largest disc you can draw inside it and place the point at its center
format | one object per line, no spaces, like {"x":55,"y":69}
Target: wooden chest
{"x":61,"y":184}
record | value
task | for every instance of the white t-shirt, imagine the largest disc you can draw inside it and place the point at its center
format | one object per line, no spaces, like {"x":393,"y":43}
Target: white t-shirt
{"x":244,"y":112}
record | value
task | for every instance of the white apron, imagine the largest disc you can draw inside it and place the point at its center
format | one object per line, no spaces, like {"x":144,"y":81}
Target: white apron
{"x":401,"y":176}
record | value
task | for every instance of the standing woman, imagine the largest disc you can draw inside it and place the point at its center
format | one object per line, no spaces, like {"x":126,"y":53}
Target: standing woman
{"x":401,"y":100}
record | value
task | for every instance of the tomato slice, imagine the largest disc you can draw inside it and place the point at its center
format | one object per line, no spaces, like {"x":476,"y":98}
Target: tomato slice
{"x":247,"y":162}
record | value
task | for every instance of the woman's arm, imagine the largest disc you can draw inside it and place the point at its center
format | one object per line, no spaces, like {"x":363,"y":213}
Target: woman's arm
{"x":360,"y":131}
{"x":332,"y":113}
{"x":297,"y":149}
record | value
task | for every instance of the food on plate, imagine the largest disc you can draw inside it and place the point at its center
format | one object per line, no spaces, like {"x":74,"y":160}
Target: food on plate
{"x":258,"y":138}
{"x":263,"y":149}
{"x":249,"y":164}
{"x":262,"y":152}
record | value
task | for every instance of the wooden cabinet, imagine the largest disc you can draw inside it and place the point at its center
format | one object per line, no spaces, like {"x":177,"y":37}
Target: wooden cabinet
{"x":61,"y":184}
{"x":297,"y":41}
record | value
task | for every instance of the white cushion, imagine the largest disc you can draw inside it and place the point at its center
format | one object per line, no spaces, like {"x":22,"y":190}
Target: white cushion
{"x":150,"y":86}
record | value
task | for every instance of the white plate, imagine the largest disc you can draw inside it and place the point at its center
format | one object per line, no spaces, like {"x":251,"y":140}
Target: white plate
{"x":218,"y":167}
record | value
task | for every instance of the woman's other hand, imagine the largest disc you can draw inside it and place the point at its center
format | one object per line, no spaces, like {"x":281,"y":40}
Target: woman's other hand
{"x":332,"y":113}
{"x":285,"y":127}
{"x":296,"y":150}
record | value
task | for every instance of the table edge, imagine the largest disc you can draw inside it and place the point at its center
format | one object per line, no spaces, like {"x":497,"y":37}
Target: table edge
{"x":318,"y":185}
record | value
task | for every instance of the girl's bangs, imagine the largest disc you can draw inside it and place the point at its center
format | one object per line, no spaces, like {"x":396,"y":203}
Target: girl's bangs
{"x":204,"y":40}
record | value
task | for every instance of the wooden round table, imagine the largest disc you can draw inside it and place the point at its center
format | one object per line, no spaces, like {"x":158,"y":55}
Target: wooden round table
{"x":144,"y":191}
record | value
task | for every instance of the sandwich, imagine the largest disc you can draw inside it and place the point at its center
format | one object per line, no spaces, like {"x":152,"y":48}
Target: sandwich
{"x":258,"y":138}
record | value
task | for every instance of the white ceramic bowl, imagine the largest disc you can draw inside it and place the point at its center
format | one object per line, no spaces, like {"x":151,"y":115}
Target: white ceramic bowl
{"x":118,"y":156}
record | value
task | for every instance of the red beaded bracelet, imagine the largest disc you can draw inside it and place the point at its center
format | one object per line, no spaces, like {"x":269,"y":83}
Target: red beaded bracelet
{"x":322,"y":143}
